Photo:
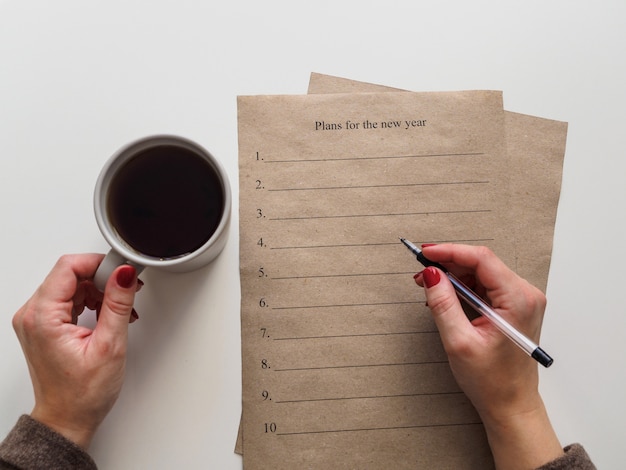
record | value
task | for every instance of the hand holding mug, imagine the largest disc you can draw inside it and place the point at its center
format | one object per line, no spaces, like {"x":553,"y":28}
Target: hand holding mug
{"x":77,"y":373}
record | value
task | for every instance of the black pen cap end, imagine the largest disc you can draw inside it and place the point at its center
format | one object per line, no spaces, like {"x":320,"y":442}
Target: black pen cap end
{"x":542,"y":357}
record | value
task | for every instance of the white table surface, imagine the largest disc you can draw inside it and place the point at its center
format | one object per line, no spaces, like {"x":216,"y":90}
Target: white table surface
{"x":79,"y":79}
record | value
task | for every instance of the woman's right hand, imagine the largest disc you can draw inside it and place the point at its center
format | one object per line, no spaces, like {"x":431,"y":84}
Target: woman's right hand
{"x":498,"y":377}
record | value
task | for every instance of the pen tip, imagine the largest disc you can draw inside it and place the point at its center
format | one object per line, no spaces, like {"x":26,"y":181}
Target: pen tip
{"x":410,"y":246}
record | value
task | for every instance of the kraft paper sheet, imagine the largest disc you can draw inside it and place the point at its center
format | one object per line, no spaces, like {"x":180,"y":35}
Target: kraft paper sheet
{"x":342,"y":364}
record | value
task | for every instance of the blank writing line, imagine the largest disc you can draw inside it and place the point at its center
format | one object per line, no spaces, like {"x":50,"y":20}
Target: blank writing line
{"x":375,"y":186}
{"x":360,"y":366}
{"x":296,"y":307}
{"x":381,"y":215}
{"x":346,"y":245}
{"x":316,"y":276}
{"x":433,"y":155}
{"x":356,"y":245}
{"x":297,"y":338}
{"x":390,"y":428}
{"x":371,"y":397}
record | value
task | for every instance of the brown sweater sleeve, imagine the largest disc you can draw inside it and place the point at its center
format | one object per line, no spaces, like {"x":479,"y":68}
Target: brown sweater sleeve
{"x":575,"y":458}
{"x":32,"y":445}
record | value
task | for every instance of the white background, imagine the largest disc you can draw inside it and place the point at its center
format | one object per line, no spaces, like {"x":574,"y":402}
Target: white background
{"x":78,"y":79}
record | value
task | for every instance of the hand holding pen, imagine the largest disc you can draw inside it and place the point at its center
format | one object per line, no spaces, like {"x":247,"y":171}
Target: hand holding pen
{"x":480,"y":306}
{"x":498,"y":377}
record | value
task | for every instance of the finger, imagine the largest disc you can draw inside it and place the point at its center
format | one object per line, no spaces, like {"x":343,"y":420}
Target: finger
{"x":454,"y":327}
{"x":480,"y":261}
{"x":92,"y":295}
{"x":513,"y":296}
{"x":62,"y":281}
{"x":54,"y":297}
{"x":117,"y":305}
{"x":134,"y":316}
{"x":86,"y":296}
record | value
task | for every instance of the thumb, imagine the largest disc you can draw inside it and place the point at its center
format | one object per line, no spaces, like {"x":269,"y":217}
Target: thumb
{"x":453,"y":325}
{"x":117,"y":304}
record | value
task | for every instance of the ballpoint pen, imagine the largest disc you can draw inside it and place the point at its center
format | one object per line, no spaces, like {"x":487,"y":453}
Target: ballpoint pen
{"x":478,"y":304}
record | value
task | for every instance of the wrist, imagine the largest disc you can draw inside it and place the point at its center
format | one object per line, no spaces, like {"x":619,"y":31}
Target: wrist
{"x":80,"y":435}
{"x":523,"y":437}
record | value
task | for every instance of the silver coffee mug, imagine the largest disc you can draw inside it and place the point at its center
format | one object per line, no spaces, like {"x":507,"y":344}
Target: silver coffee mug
{"x":162,"y":202}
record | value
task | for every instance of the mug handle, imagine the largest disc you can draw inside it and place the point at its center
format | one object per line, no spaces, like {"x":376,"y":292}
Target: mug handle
{"x":111,"y":261}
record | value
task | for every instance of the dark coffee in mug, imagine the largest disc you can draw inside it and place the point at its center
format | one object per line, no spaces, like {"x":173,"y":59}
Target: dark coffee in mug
{"x":165,"y":202}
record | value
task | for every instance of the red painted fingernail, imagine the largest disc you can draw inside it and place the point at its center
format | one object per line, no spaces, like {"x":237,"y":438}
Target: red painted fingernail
{"x":431,"y":277}
{"x":424,"y":245}
{"x":134,"y":314}
{"x":126,"y":276}
{"x":416,"y":276}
